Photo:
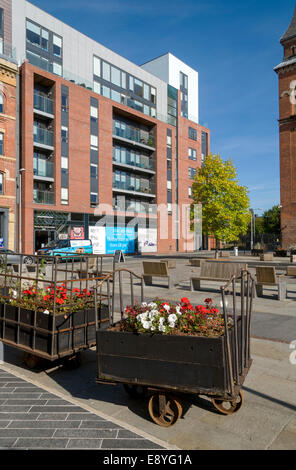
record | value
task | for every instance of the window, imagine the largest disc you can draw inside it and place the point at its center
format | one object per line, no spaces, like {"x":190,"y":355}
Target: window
{"x":94,"y":141}
{"x":64,"y":163}
{"x":44,"y":40}
{"x":57,"y":46}
{"x":64,"y":134}
{"x":153,"y":95}
{"x":115,"y":76}
{"x":190,"y":191}
{"x":94,"y":171}
{"x":123,"y":80}
{"x":64,"y":195}
{"x":106,"y":71}
{"x":33,"y":33}
{"x":1,"y":183}
{"x":115,"y":96}
{"x":1,"y":103}
{"x":192,"y":133}
{"x":192,"y":173}
{"x":138,"y":87}
{"x":106,"y":91}
{"x":170,"y":208}
{"x":97,"y":66}
{"x":1,"y":143}
{"x":192,"y":154}
{"x":57,"y":69}
{"x":93,"y":198}
{"x":183,"y":81}
{"x":97,"y":88}
{"x":204,"y":144}
{"x":94,"y":112}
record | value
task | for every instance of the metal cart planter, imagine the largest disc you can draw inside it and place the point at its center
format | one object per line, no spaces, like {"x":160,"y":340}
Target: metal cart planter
{"x":169,"y":365}
{"x":54,"y":335}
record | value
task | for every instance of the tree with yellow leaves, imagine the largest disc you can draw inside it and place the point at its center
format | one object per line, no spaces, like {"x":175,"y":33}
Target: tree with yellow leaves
{"x":225,"y":204}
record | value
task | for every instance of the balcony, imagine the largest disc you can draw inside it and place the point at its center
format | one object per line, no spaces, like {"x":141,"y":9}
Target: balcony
{"x":121,"y":186}
{"x":43,"y":197}
{"x":43,"y":138}
{"x":142,"y":163}
{"x":135,"y":206}
{"x":131,"y":134}
{"x":43,"y":105}
{"x":43,"y":168}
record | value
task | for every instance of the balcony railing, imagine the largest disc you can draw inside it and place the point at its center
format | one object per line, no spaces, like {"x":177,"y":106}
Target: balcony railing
{"x":43,"y":197}
{"x":127,"y":186}
{"x":43,"y":104}
{"x":43,"y":136}
{"x":43,"y":168}
{"x":138,"y":207}
{"x":142,"y":162}
{"x":135,"y":135}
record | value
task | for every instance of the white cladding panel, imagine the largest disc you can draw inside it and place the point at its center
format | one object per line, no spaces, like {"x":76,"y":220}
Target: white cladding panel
{"x":168,"y":68}
{"x":78,"y":49}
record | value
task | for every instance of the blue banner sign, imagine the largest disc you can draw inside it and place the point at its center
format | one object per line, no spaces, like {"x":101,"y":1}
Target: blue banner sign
{"x":120,"y":238}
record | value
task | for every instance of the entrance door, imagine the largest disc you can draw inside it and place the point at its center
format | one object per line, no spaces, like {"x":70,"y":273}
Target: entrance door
{"x":42,"y":238}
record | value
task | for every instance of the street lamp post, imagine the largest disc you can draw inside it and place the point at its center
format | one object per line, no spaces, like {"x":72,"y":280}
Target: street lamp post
{"x":21,"y":170}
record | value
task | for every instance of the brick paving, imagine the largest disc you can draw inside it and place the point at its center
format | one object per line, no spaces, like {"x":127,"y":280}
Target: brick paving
{"x":32,"y":418}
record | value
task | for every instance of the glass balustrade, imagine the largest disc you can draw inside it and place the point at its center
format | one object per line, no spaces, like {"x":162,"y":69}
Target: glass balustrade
{"x":43,"y":197}
{"x":133,"y":134}
{"x":43,"y":168}
{"x":43,"y":104}
{"x":128,"y":186}
{"x":43,"y":136}
{"x":136,"y":161}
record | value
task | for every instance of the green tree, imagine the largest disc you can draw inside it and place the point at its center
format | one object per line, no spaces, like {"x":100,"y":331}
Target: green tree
{"x":225,"y":204}
{"x":272,"y":220}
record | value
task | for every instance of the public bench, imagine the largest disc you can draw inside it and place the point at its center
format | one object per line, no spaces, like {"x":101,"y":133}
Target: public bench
{"x":291,"y":271}
{"x":266,"y":257}
{"x":266,"y":276}
{"x":155,"y":269}
{"x":217,"y":272}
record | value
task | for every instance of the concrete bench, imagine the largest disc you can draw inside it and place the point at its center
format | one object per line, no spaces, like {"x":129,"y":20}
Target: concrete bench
{"x":217,"y":272}
{"x":155,"y":269}
{"x":266,"y":276}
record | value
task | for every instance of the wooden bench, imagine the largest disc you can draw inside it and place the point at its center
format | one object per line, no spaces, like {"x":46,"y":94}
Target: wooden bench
{"x":266,"y":276}
{"x":266,"y":257}
{"x":217,"y":272}
{"x":291,"y":271}
{"x":170,"y":262}
{"x":224,"y":254}
{"x":155,"y":269}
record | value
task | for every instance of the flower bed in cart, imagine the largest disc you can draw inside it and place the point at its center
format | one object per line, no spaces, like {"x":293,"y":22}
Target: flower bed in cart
{"x":51,"y":322}
{"x":181,"y":348}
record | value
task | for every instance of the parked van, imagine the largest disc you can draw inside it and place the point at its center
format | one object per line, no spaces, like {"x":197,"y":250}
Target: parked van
{"x":66,"y":248}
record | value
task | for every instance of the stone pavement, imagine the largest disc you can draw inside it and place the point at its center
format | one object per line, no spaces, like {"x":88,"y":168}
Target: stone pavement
{"x":32,"y":418}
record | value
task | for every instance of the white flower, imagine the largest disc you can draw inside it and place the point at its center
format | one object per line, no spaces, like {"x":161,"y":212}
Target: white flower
{"x":152,"y":305}
{"x":46,"y":312}
{"x":161,"y":327}
{"x":147,"y":325}
{"x":144,"y":304}
{"x":172,"y":318}
{"x":152,"y":328}
{"x":151,"y":315}
{"x":14,"y":294}
{"x":178,"y":310}
{"x":167,"y":308}
{"x":161,"y":320}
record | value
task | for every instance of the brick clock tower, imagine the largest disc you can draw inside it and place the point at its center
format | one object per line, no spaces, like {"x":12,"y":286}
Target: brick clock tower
{"x":286,"y":72}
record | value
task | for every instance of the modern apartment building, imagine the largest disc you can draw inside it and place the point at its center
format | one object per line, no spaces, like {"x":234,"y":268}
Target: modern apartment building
{"x":101,"y":139}
{"x":286,"y":72}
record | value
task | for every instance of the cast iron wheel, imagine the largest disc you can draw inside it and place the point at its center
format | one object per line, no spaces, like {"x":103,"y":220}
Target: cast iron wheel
{"x":31,"y":361}
{"x":28,"y":260}
{"x":135,"y":391}
{"x":169,"y":415}
{"x":229,"y":407}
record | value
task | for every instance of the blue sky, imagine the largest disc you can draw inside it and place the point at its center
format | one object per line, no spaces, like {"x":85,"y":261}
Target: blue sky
{"x":233,"y":45}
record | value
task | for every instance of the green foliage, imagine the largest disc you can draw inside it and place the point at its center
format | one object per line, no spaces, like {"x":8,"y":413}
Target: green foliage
{"x":272,"y":220}
{"x":225,"y":213}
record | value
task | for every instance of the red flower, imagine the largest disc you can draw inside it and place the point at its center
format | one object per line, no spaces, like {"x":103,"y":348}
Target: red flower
{"x":209,"y":301}
{"x":185,"y":300}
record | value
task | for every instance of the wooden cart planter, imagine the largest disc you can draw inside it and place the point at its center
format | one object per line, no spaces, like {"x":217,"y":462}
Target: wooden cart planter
{"x":53,"y":335}
{"x":168,"y":365}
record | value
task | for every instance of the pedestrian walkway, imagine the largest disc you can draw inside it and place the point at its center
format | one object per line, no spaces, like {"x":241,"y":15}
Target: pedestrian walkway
{"x":32,"y":418}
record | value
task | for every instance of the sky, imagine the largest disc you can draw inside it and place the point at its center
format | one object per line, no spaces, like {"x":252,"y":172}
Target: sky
{"x":233,"y":45}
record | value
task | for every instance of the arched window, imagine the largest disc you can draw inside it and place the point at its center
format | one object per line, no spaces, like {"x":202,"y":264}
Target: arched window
{"x":1,"y":102}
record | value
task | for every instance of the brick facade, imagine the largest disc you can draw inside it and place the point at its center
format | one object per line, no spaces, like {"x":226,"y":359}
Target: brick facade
{"x":8,"y":83}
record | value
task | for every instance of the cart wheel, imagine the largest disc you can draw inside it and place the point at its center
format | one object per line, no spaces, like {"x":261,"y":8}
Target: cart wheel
{"x":31,"y":361}
{"x":164,"y":410}
{"x":135,"y":391}
{"x":229,"y":407}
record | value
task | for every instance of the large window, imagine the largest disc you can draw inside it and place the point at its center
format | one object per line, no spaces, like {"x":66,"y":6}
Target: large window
{"x":37,"y":36}
{"x":192,"y":173}
{"x":192,"y":133}
{"x":1,"y":183}
{"x":57,"y":46}
{"x":192,"y":154}
{"x":1,"y":143}
{"x":1,"y":102}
